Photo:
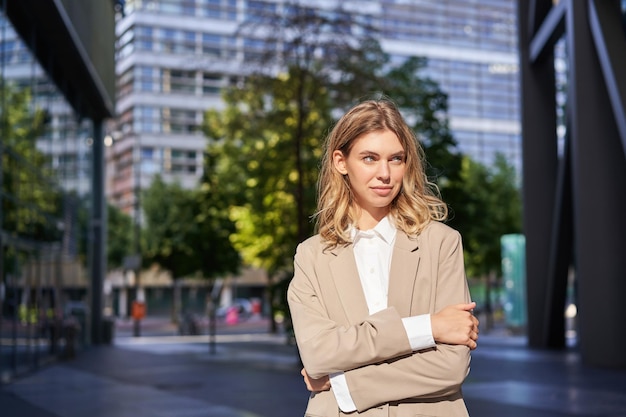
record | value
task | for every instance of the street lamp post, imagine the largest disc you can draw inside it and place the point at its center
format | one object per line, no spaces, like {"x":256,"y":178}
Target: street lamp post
{"x":138,"y":309}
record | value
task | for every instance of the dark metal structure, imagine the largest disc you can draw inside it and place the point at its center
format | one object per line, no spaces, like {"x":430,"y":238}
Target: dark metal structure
{"x":74,"y":42}
{"x":574,"y":201}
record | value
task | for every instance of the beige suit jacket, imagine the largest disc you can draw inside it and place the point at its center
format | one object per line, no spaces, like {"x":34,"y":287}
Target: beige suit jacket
{"x":335,"y":332}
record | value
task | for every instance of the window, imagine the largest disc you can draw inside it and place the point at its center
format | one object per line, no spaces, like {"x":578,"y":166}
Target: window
{"x":178,"y":120}
{"x":168,"y":40}
{"x":181,"y":121}
{"x":144,"y":79}
{"x":180,"y":161}
{"x":147,"y":153}
{"x":259,"y":10}
{"x":211,"y":44}
{"x":255,"y":48}
{"x":182,"y":81}
{"x":125,"y":83}
{"x":219,"y":9}
{"x":146,"y":119}
{"x":144,"y":38}
{"x":211,"y":83}
{"x":189,"y":7}
{"x":188,"y":44}
{"x":211,"y":8}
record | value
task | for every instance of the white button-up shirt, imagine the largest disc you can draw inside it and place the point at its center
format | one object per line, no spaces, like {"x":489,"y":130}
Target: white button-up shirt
{"x":372,"y":252}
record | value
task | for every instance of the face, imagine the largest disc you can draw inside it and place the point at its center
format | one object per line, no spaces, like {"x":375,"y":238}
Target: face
{"x":375,"y":168}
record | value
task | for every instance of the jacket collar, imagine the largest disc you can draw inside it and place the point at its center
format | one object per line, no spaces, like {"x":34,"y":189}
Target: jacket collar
{"x":404,"y":264}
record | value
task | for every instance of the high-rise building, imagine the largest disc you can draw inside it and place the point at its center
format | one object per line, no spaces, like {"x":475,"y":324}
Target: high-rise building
{"x":174,"y":57}
{"x":66,"y":139}
{"x":57,"y":82}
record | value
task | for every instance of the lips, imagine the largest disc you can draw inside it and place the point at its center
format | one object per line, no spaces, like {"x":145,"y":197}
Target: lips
{"x":382,"y":191}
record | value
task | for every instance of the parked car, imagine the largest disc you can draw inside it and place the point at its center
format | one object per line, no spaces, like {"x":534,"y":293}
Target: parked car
{"x":243,"y":306}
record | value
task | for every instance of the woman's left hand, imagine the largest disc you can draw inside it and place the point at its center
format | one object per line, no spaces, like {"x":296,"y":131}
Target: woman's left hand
{"x":315,"y":385}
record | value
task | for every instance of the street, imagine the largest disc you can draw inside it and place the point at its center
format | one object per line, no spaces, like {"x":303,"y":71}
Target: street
{"x":251,"y":373}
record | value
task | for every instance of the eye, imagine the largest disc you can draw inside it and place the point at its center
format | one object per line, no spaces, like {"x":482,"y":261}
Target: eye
{"x":397,"y":159}
{"x":369,"y":158}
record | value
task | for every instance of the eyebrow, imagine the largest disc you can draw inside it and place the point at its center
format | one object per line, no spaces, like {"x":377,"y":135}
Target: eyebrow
{"x":366,"y":152}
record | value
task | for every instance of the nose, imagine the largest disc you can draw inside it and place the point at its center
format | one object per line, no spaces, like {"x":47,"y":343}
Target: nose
{"x":383,"y":172}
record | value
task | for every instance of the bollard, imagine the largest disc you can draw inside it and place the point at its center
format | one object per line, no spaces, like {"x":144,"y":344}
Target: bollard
{"x":71,"y":330}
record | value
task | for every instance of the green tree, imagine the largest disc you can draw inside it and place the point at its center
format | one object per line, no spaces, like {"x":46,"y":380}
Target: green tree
{"x":310,"y":46}
{"x":491,"y":207}
{"x":214,"y":229}
{"x":119,"y":230}
{"x":31,"y":200}
{"x":186,"y":233}
{"x":267,"y":142}
{"x":168,"y":223}
{"x":265,"y":157}
{"x":183,"y":235}
{"x":119,"y":236}
{"x":266,"y":145}
{"x":331,"y":61}
{"x":167,"y":217}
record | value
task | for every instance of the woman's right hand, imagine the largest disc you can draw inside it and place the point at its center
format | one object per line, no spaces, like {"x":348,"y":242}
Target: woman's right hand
{"x":456,"y":325}
{"x":315,"y":385}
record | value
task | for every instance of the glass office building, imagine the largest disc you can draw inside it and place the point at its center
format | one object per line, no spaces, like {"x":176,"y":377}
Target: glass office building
{"x":55,"y":94}
{"x":174,"y":57}
{"x":471,"y":48}
{"x":66,"y":137}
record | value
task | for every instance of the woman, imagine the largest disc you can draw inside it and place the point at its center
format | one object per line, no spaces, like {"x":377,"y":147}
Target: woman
{"x":379,"y":300}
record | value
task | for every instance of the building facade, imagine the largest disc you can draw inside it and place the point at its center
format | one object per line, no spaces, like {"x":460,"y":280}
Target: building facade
{"x":57,"y":82}
{"x":175,"y":56}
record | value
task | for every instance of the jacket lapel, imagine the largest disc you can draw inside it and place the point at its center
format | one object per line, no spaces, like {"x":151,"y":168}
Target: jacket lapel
{"x":403,"y":274}
{"x":346,"y":278}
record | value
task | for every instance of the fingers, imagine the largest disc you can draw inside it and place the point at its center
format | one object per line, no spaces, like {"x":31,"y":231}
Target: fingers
{"x":475,"y":324}
{"x":473,"y":335}
{"x":456,"y":325}
{"x":307,"y":380}
{"x":315,"y":384}
{"x":472,"y":344}
{"x":472,"y":340}
{"x":466,"y":306}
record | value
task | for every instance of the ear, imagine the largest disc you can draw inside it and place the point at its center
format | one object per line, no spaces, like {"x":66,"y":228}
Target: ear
{"x":339,"y":162}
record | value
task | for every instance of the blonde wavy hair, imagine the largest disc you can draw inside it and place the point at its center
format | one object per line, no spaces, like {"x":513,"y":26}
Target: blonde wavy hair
{"x":418,"y":201}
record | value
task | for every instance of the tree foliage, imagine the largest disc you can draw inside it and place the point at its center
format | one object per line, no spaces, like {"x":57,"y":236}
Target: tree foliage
{"x":183,"y":234}
{"x":119,"y":236}
{"x":267,"y":141}
{"x":265,"y":153}
{"x":31,"y":202}
{"x":490,"y":209}
{"x":265,"y":144}
{"x":119,"y":240}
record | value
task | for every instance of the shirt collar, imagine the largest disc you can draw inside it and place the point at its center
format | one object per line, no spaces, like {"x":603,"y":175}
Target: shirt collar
{"x":384,"y":229}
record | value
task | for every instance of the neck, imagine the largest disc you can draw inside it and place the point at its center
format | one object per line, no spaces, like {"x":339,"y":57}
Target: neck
{"x":368,"y":220}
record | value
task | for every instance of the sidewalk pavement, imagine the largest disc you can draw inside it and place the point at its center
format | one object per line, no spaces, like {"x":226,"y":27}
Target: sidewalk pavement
{"x":251,"y":373}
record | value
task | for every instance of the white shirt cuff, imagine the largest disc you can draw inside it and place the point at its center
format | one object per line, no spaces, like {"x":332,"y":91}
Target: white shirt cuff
{"x":419,"y":331}
{"x":342,"y":394}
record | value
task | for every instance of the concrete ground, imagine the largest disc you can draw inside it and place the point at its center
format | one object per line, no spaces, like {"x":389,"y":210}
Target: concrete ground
{"x":248,"y":372}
